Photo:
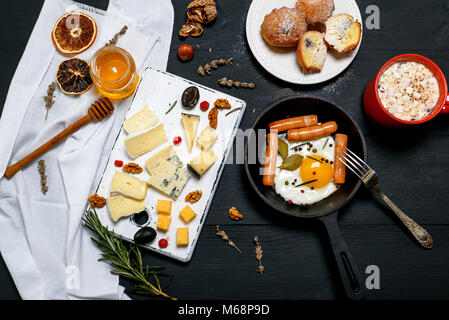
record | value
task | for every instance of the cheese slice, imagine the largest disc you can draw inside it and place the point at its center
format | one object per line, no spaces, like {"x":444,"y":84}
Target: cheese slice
{"x":145,"y":142}
{"x":207,"y":138}
{"x":190,"y":123}
{"x":129,"y":186}
{"x":166,"y":154}
{"x":202,"y":162}
{"x":120,"y":207}
{"x":169,"y":179}
{"x":142,"y":120}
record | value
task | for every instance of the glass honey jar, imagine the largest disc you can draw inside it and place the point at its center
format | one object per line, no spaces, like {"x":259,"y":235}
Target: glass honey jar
{"x":114,"y":72}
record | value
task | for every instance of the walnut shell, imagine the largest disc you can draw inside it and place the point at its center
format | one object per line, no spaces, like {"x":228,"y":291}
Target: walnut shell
{"x":191,"y":28}
{"x":202,"y":11}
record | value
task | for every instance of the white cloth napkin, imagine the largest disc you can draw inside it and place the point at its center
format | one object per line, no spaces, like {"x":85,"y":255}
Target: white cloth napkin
{"x":47,"y":250}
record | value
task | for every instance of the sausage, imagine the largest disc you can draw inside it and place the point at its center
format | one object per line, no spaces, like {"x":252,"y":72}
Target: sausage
{"x":270,"y":159}
{"x":341,"y":143}
{"x":293,"y":123}
{"x":311,"y":133}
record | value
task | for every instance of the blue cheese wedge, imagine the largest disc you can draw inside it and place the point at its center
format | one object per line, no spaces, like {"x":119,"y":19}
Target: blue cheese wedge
{"x":145,"y":142}
{"x":166,"y":154}
{"x":202,"y":162}
{"x":190,"y":123}
{"x":169,"y":179}
{"x":129,"y":186}
{"x":207,"y":138}
{"x":120,"y":207}
{"x":141,"y":121}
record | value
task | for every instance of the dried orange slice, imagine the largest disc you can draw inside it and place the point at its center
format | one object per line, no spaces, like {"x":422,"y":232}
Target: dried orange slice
{"x":75,"y":32}
{"x":73,"y":76}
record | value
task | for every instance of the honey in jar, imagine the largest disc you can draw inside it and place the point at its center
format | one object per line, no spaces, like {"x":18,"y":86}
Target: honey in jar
{"x":114,"y":73}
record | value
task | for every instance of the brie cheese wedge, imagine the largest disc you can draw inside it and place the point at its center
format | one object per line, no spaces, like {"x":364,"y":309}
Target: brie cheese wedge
{"x":129,"y":186}
{"x":145,"y":142}
{"x":120,"y":207}
{"x":141,"y":121}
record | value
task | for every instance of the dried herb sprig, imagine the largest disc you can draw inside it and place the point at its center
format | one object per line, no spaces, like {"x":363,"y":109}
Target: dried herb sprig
{"x":123,"y":261}
{"x":50,"y":98}
{"x":225,"y":237}
{"x":225,"y":82}
{"x":42,"y":167}
{"x":259,"y":255}
{"x":114,"y":40}
{"x":214,"y":64}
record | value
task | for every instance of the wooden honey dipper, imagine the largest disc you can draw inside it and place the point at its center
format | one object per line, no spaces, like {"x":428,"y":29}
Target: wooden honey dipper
{"x":98,"y":111}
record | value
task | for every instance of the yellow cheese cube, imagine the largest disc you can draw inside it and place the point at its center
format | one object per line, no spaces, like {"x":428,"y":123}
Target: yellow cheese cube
{"x":182,"y":237}
{"x":187,"y":214}
{"x":164,"y":207}
{"x":163,"y":222}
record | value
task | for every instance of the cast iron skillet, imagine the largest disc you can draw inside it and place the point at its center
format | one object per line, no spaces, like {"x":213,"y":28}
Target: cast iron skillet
{"x":326,"y":210}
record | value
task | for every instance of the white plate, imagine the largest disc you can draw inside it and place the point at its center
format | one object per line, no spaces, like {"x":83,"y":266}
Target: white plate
{"x":159,"y":90}
{"x":281,"y":62}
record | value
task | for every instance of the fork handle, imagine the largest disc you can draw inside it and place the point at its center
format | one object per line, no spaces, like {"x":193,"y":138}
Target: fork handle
{"x":423,"y":237}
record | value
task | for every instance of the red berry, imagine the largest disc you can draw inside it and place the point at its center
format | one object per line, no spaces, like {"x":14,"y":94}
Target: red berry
{"x":177,"y":140}
{"x":163,"y":243}
{"x":204,"y":106}
{"x":118,"y":163}
{"x":290,"y":202}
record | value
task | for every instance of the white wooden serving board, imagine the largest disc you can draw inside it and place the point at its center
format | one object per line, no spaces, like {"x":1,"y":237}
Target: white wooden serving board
{"x":282,"y":62}
{"x":159,"y":90}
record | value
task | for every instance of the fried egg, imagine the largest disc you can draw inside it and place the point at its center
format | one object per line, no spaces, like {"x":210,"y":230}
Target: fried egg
{"x":313,"y":180}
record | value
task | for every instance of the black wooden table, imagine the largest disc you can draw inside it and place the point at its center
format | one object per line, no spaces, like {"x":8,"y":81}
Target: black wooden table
{"x":413,"y":165}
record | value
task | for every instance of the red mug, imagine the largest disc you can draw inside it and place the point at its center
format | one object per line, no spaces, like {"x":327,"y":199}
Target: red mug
{"x":376,"y":111}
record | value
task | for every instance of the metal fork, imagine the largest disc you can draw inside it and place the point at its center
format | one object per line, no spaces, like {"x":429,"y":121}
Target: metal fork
{"x":371,"y":180}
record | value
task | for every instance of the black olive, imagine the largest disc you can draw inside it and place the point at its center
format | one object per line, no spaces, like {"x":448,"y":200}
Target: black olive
{"x":145,"y":235}
{"x":190,"y":97}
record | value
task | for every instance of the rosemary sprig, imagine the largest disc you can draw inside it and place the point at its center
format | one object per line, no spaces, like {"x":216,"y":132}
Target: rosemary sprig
{"x":298,"y":146}
{"x":123,"y":261}
{"x":325,"y":144}
{"x":232,"y":111}
{"x":172,"y":107}
{"x":306,"y":183}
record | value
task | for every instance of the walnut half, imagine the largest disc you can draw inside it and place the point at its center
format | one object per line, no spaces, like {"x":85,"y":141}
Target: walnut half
{"x":222,"y":104}
{"x":194,"y":197}
{"x":191,"y":28}
{"x":96,"y":201}
{"x":234,"y":214}
{"x":132,"y":168}
{"x":213,"y":118}
{"x":202,"y":11}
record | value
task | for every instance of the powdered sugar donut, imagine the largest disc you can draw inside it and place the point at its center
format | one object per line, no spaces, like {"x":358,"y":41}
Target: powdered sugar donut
{"x":283,"y":27}
{"x":316,"y":11}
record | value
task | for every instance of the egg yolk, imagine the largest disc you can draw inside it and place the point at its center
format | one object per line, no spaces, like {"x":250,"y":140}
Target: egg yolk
{"x":319,"y":169}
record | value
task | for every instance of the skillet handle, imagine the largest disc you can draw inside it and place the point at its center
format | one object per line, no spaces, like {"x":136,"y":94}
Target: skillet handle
{"x":349,"y":271}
